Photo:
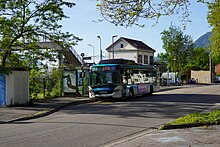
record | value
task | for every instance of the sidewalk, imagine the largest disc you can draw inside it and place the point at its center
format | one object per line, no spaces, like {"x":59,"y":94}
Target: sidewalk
{"x":39,"y":108}
{"x":165,"y":88}
{"x":190,"y":137}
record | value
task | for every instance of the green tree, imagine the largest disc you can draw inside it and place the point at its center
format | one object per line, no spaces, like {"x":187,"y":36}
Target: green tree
{"x":35,"y":86}
{"x":163,"y":62}
{"x":214,"y":21}
{"x":129,"y":12}
{"x":163,"y":57}
{"x":200,"y":59}
{"x":54,"y":84}
{"x":23,"y":23}
{"x":178,"y":47}
{"x":42,"y":81}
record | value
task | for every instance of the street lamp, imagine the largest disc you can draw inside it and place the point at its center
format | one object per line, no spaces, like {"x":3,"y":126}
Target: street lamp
{"x":210,"y":66}
{"x":179,"y":74}
{"x":113,"y":50}
{"x":100,"y":48}
{"x":174,"y":70}
{"x":93,"y":52}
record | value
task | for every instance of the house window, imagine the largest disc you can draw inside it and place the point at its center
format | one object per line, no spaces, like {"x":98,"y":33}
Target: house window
{"x":151,"y":60}
{"x":139,"y":58}
{"x":145,"y":59}
{"x":122,"y":46}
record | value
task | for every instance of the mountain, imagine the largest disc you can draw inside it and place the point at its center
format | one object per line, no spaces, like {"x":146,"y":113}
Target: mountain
{"x":203,"y":40}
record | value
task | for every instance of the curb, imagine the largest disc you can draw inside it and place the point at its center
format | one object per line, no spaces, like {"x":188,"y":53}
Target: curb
{"x":46,"y":112}
{"x":181,"y":87}
{"x":183,"y":126}
{"x":173,"y":88}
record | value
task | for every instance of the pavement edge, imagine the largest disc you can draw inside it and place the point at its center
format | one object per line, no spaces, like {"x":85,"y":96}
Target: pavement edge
{"x":47,"y":111}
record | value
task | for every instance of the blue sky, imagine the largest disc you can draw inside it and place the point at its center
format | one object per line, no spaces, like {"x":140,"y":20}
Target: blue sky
{"x":81,"y":23}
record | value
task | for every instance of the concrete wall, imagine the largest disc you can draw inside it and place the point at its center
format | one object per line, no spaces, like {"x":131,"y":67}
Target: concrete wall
{"x":127,"y":52}
{"x":126,"y":46}
{"x":17,"y":88}
{"x":201,"y":76}
{"x":130,"y":55}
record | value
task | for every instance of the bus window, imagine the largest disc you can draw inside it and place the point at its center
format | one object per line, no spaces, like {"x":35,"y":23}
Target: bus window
{"x":151,"y":77}
{"x":109,"y":78}
{"x":139,"y":77}
{"x":105,"y":77}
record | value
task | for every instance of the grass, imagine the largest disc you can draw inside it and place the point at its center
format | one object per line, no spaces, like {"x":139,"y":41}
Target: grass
{"x":209,"y":117}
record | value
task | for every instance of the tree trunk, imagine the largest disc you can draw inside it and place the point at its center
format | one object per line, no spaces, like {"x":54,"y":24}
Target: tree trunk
{"x":5,"y":55}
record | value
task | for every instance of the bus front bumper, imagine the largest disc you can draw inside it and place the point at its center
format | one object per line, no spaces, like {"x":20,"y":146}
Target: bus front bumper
{"x":104,"y":95}
{"x":113,"y":95}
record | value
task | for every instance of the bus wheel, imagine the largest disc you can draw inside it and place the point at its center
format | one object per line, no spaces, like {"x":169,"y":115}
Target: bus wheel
{"x":131,"y":93}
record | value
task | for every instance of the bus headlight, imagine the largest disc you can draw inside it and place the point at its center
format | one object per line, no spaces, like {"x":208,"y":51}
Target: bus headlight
{"x":91,"y":92}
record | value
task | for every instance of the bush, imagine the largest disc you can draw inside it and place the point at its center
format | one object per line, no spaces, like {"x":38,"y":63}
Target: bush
{"x":44,"y":85}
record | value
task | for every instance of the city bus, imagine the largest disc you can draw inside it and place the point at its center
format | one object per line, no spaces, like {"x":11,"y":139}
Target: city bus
{"x":120,"y":78}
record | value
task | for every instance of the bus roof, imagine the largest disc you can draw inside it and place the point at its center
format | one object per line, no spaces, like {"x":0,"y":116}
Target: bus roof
{"x":100,"y":65}
{"x":125,"y":66}
{"x":118,"y":61}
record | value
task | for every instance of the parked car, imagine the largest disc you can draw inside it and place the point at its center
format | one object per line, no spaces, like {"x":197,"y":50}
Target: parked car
{"x":169,"y":82}
{"x":192,"y":81}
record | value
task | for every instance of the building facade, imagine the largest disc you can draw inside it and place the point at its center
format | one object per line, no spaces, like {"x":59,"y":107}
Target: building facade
{"x":131,"y":49}
{"x":217,"y":69}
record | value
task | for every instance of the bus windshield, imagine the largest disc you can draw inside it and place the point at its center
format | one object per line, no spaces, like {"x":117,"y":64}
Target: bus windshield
{"x":105,"y":77}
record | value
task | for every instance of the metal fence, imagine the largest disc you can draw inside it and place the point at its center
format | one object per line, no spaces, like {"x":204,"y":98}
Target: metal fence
{"x":45,"y":87}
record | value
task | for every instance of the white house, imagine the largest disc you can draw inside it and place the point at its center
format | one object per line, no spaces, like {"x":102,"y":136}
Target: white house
{"x":131,"y":49}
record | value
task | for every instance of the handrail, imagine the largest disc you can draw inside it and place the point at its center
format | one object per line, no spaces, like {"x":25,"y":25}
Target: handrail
{"x":76,"y":54}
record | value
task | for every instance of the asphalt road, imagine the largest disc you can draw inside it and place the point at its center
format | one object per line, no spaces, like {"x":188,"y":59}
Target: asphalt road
{"x":103,"y":123}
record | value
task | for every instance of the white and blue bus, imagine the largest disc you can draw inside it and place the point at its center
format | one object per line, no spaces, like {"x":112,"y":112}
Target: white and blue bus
{"x":120,"y":78}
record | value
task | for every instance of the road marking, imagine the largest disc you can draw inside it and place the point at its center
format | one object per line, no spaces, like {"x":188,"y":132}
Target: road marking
{"x":101,"y":102}
{"x":169,"y":139}
{"x":129,"y":137}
